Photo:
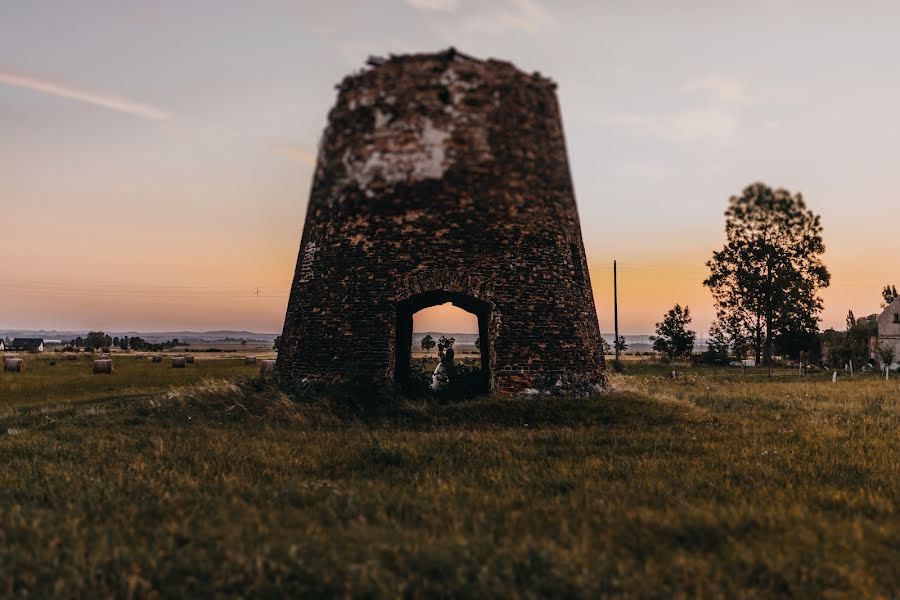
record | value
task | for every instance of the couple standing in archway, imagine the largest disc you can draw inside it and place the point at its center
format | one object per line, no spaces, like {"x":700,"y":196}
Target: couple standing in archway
{"x":445,"y":370}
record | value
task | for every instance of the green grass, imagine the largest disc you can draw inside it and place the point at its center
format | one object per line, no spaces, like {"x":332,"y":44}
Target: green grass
{"x":66,"y":381}
{"x":714,"y":484}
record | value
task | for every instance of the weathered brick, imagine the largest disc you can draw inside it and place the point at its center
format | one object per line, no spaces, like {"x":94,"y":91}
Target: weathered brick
{"x":444,"y":178}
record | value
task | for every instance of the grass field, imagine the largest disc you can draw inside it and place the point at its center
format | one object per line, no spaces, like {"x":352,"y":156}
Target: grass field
{"x":716,"y":483}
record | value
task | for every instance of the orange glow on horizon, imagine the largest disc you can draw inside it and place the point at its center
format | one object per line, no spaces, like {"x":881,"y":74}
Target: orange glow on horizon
{"x":444,"y":318}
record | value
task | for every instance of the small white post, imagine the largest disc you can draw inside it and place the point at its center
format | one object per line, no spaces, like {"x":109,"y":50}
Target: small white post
{"x":834,"y":377}
{"x":851,"y":368}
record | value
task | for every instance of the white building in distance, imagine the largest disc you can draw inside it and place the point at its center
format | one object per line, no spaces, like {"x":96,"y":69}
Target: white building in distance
{"x":889,"y":326}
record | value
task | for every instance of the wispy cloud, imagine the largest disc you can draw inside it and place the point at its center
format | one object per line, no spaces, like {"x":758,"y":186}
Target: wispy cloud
{"x":101,"y":99}
{"x":307,"y":158}
{"x":721,"y":105}
{"x":529,"y":16}
{"x":437,"y":5}
{"x":726,"y":90}
{"x":704,"y":124}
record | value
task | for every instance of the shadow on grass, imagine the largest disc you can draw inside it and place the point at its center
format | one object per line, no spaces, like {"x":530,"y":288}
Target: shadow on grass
{"x":340,"y":406}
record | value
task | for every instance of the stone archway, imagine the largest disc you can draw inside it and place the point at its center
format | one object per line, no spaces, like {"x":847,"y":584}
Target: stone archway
{"x":404,"y":330}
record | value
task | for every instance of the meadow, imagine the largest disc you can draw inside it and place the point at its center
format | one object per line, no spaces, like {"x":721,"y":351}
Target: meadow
{"x":208,"y":481}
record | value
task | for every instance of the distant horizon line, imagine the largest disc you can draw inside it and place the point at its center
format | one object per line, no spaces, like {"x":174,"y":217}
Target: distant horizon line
{"x":206,"y":331}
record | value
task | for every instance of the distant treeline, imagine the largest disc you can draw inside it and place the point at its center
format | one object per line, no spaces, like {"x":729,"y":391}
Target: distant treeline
{"x":97,"y":340}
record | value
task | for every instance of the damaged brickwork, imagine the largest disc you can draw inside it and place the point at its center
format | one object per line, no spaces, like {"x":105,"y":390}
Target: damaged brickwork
{"x":441,"y":178}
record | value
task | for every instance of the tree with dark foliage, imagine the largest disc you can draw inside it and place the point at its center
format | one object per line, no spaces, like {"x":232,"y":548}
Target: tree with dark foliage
{"x":673,"y":338}
{"x":766,"y":278}
{"x":888,"y":294}
{"x":605,"y":347}
{"x":444,"y":344}
{"x":95,"y":340}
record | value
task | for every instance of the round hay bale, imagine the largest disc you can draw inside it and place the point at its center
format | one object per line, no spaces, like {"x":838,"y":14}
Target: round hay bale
{"x":249,"y":360}
{"x":13,"y":365}
{"x":157,"y":359}
{"x":266,"y":367}
{"x":189,"y":360}
{"x":139,"y":356}
{"x":178,"y":362}
{"x":104,"y":357}
{"x":103,"y":366}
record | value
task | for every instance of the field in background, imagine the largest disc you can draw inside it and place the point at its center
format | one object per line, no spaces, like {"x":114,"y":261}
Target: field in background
{"x":72,"y":381}
{"x":716,"y":483}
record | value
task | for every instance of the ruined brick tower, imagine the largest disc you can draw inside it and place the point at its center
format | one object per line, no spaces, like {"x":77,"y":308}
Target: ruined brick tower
{"x":443,"y":178}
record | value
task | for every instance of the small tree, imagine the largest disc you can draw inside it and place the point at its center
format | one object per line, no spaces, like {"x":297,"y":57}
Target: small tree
{"x":444,"y":344}
{"x":717,"y":346}
{"x":620,"y":344}
{"x":428,"y":343}
{"x":673,"y":338}
{"x":889,"y":294}
{"x":605,"y":348}
{"x":887,"y":353}
{"x":123,"y":343}
{"x":95,"y":340}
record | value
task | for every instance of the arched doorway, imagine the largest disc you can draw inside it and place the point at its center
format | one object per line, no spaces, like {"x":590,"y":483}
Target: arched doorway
{"x":409,"y":307}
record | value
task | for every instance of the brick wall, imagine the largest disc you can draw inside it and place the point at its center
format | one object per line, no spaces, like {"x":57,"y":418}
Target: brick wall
{"x":440,"y":172}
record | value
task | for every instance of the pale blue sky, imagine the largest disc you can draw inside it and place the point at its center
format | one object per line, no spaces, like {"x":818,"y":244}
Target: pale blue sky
{"x":163,"y":149}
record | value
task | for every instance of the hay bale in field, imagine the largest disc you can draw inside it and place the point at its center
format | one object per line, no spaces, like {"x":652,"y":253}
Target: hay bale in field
{"x":249,"y":360}
{"x":13,"y":365}
{"x":266,"y":367}
{"x":103,"y":366}
{"x":157,"y":359}
{"x":139,"y":356}
{"x":189,"y":360}
{"x":104,"y":357}
{"x":178,"y":362}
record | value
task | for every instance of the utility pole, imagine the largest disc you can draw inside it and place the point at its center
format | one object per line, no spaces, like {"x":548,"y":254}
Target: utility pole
{"x":617,"y":365}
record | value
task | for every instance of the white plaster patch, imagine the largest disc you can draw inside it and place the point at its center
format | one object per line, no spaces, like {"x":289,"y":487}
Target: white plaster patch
{"x":306,"y":265}
{"x":414,"y":148}
{"x":423,"y":158}
{"x":381,"y":119}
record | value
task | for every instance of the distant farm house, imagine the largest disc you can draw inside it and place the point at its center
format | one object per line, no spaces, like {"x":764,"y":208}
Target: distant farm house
{"x":889,"y":326}
{"x":27,"y":345}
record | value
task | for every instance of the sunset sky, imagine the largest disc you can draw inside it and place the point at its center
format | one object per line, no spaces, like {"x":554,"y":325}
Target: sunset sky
{"x":155,"y":157}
